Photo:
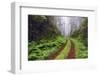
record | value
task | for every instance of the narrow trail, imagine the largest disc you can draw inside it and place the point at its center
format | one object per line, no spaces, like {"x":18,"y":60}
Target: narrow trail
{"x":71,"y":53}
{"x":54,"y":55}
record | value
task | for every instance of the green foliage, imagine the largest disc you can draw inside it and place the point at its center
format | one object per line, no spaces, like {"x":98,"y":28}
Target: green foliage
{"x":40,"y":50}
{"x":81,"y":49}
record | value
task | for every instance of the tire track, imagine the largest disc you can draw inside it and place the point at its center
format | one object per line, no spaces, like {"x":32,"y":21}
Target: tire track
{"x":71,"y":53}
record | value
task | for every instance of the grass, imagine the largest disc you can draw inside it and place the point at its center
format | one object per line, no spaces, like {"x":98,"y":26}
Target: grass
{"x":65,"y":51}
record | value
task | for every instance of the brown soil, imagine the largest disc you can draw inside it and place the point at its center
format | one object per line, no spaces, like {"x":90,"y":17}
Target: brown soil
{"x":71,"y":54}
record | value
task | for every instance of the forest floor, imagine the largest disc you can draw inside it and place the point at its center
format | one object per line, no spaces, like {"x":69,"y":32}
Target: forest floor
{"x":66,"y":52}
{"x":54,"y":55}
{"x":72,"y":51}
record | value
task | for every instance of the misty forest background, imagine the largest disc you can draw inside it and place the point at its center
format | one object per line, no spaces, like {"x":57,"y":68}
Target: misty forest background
{"x":57,"y":37}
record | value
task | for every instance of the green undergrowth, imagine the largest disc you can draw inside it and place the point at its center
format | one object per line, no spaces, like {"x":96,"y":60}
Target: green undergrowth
{"x":40,"y":50}
{"x":81,"y":49}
